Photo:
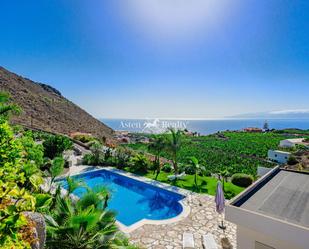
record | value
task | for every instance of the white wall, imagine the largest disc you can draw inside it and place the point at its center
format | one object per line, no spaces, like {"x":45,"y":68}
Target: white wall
{"x":277,"y":233}
{"x":280,"y":157}
{"x":246,"y":240}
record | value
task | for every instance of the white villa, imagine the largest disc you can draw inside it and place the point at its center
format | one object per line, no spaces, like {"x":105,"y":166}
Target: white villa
{"x":279,"y":156}
{"x":273,"y":213}
{"x":290,"y":143}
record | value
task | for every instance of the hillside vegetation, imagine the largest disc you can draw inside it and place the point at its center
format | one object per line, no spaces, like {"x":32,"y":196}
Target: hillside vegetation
{"x":45,"y":108}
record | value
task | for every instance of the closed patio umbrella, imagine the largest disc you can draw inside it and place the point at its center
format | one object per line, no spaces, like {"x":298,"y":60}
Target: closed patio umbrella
{"x":220,"y":202}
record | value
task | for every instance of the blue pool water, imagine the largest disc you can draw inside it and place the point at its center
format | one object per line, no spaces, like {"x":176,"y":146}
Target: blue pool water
{"x":131,"y":199}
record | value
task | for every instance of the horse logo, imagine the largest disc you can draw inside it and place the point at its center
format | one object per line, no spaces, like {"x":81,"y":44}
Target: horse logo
{"x":152,"y":127}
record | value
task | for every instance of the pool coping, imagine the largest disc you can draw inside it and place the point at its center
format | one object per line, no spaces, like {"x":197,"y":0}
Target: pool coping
{"x":128,"y":229}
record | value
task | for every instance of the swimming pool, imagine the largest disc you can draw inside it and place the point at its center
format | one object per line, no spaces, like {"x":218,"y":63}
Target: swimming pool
{"x":133,"y":200}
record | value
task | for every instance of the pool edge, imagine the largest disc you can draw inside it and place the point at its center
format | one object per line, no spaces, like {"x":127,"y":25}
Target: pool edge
{"x":128,"y":229}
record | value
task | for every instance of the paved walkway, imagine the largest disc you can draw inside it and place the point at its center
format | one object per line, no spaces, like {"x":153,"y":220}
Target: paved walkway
{"x":202,"y":219}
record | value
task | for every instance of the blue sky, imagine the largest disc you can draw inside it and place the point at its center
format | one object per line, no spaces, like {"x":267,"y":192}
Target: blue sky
{"x":163,"y":58}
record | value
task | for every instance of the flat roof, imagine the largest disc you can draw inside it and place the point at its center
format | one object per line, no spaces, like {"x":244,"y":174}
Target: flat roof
{"x":281,"y":152}
{"x":283,"y":195}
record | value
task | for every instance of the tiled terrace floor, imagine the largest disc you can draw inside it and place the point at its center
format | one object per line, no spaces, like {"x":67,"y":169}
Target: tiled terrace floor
{"x":202,"y":219}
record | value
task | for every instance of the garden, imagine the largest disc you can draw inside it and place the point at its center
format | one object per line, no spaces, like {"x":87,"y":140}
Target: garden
{"x":195,"y":176}
{"x":25,"y":206}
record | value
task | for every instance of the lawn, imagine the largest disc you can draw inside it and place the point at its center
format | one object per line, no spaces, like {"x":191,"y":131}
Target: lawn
{"x":207,"y":185}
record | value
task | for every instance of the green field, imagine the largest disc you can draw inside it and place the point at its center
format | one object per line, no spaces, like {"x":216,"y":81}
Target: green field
{"x":238,"y":152}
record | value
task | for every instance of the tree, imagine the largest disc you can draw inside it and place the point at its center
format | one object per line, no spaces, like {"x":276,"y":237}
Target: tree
{"x":80,"y":224}
{"x":173,"y":145}
{"x":73,"y":184}
{"x":224,"y":174}
{"x":157,"y":147}
{"x":5,"y":107}
{"x":56,"y":169}
{"x":198,"y":169}
{"x":55,"y":145}
{"x":97,"y":152}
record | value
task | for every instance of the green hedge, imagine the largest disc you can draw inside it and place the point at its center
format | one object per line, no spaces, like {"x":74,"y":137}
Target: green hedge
{"x":242,"y":180}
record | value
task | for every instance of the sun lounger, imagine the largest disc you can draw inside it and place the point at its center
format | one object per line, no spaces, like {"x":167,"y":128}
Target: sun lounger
{"x":187,"y":241}
{"x":174,"y":177}
{"x":209,"y":242}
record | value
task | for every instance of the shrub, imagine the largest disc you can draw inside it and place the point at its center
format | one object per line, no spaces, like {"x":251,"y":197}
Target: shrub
{"x":33,"y":152}
{"x":139,"y":163}
{"x":229,"y":195}
{"x":19,"y":177}
{"x":97,"y":153}
{"x":55,"y":145}
{"x":242,"y":180}
{"x":84,"y":138}
{"x":292,"y":160}
{"x":122,"y":157}
{"x":167,"y":168}
{"x":207,"y":173}
{"x":88,"y":159}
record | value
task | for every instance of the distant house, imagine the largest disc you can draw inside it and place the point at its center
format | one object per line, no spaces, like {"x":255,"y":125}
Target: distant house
{"x":290,"y":143}
{"x":123,"y":140}
{"x":279,"y":156}
{"x":273,"y":212}
{"x":253,"y":129}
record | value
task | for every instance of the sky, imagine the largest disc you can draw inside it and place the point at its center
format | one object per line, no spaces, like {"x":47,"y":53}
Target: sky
{"x":163,"y":58}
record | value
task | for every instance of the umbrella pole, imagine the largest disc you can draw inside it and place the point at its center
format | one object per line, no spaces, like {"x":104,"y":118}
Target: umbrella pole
{"x":222,"y":226}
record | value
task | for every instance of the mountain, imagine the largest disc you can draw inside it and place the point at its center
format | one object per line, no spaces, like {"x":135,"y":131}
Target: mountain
{"x":282,"y":114}
{"x":45,"y":108}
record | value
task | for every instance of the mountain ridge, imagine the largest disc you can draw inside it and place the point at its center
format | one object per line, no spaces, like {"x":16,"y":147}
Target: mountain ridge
{"x":45,"y":108}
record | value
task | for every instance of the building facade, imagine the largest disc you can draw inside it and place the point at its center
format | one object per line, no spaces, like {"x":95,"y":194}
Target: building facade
{"x":273,"y":213}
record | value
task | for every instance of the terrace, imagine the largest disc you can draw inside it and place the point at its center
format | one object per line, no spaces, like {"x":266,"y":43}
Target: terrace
{"x":200,"y":220}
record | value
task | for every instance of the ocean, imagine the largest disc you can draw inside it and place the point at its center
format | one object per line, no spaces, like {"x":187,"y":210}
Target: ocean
{"x":204,"y":127}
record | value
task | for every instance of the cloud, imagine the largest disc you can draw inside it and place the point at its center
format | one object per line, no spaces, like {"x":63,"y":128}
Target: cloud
{"x":295,"y":111}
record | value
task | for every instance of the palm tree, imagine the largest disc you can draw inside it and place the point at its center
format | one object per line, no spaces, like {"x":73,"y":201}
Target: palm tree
{"x":73,"y":184}
{"x":173,"y":145}
{"x":5,"y":107}
{"x":198,"y":169}
{"x":56,"y":169}
{"x":157,"y":147}
{"x":223,"y":175}
{"x":80,"y":225}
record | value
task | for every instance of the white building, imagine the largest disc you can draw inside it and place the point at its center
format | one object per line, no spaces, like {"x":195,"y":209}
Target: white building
{"x":279,"y":156}
{"x":273,"y":213}
{"x":290,"y":143}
